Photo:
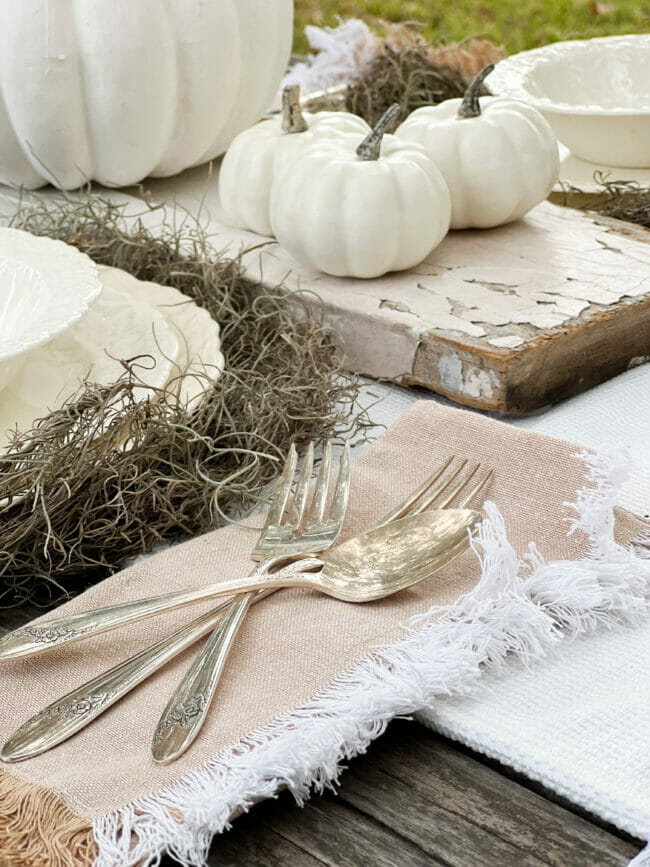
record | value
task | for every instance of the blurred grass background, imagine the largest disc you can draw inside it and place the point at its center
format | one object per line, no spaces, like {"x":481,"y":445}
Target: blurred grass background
{"x":516,"y":24}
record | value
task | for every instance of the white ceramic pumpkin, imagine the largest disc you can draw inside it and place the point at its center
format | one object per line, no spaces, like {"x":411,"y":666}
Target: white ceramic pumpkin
{"x":115,"y":90}
{"x":499,"y":156}
{"x":355,"y":210}
{"x":247,"y":170}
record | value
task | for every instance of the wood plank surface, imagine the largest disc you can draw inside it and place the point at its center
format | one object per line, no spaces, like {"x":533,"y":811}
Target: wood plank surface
{"x":418,"y":799}
{"x":509,"y":319}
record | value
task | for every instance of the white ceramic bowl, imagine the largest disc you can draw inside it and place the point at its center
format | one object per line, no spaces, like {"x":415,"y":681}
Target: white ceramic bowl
{"x":45,"y":286}
{"x":595,"y":93}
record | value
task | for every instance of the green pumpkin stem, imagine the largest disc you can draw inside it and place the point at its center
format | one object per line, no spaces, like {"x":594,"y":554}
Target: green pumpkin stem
{"x":471,"y":106}
{"x":370,"y":147}
{"x":292,"y":117}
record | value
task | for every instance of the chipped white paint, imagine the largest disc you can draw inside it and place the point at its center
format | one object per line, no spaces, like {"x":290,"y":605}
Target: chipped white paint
{"x":480,"y":383}
{"x":458,"y":378}
{"x":541,"y":272}
{"x":399,"y":306}
{"x":501,"y":289}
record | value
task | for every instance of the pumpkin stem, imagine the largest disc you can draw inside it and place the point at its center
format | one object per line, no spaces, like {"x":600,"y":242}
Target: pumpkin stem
{"x":292,"y":118}
{"x":370,"y":147}
{"x":471,"y":106}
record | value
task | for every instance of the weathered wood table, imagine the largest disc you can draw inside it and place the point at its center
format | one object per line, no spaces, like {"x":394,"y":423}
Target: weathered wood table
{"x":415,"y":799}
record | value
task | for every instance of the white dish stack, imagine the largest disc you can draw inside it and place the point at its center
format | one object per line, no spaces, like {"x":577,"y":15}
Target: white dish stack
{"x":63,"y":321}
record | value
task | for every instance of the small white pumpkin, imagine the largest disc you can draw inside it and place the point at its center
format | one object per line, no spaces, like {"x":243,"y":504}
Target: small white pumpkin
{"x":499,"y":156}
{"x":115,"y":90}
{"x":355,"y":210}
{"x":257,"y":153}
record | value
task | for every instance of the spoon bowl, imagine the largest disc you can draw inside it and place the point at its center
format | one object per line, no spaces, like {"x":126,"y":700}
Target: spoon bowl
{"x":396,"y":556}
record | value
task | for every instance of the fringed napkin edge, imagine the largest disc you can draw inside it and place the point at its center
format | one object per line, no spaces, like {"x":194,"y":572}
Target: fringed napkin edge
{"x":522,"y":607}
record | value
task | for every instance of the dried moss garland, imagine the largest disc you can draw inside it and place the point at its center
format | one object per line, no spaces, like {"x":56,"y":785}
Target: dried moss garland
{"x":76,"y":503}
{"x":626,"y":200}
{"x":622,"y":200}
{"x":405,"y":77}
{"x":413,"y":73}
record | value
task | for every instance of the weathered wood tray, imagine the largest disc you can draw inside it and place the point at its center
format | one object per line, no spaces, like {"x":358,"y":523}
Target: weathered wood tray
{"x":508,"y":319}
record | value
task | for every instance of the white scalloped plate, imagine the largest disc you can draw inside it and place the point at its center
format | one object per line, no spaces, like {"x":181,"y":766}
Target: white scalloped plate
{"x":117,"y":326}
{"x":595,"y":93}
{"x":198,"y":334}
{"x":45,"y":287}
{"x":130,"y":317}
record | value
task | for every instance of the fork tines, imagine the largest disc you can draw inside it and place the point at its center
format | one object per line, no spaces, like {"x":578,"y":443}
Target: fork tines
{"x":289,"y":521}
{"x":442,"y":488}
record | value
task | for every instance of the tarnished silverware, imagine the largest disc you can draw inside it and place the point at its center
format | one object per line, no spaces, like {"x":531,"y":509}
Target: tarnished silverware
{"x":277,"y":545}
{"x":39,"y":638}
{"x":368,"y":567}
{"x":326,"y":581}
{"x":187,"y":709}
{"x":68,"y":715}
{"x":374,"y":565}
{"x":280,"y":541}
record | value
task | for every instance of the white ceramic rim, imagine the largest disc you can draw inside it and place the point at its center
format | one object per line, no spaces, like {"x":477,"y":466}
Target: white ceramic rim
{"x":95,"y":351}
{"x":169,"y":313}
{"x":580,"y":173}
{"x":70,"y":276}
{"x":508,"y":78}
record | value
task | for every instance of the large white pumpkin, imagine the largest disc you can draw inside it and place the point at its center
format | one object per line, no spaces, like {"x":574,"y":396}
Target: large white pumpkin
{"x":116,"y":90}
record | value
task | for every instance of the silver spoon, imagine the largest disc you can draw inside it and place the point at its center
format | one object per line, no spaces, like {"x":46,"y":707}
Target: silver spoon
{"x":371,"y":566}
{"x":376,"y":564}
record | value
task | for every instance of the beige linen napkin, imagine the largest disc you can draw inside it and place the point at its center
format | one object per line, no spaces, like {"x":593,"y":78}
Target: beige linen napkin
{"x":290,"y":647}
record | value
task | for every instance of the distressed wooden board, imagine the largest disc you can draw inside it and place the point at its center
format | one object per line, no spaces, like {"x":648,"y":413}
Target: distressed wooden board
{"x":509,"y":319}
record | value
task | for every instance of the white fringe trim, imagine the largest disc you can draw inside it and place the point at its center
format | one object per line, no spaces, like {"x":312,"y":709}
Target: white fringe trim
{"x":444,"y":652}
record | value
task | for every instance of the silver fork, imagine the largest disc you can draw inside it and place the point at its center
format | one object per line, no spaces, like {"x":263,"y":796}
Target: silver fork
{"x":75,"y":710}
{"x":289,"y":532}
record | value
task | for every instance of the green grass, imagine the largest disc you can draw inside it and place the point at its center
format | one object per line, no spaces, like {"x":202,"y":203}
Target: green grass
{"x":516,"y":24}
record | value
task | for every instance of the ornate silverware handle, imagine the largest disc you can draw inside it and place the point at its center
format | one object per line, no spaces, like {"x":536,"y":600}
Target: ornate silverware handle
{"x":183,"y":717}
{"x":38,"y":638}
{"x":63,"y":718}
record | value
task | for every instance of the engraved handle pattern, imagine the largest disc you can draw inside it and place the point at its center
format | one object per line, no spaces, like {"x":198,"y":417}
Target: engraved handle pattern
{"x":66,"y":716}
{"x":187,"y":709}
{"x":185,"y":713}
{"x":27,"y":641}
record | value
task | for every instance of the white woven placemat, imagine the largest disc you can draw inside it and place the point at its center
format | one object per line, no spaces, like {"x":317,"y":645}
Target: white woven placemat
{"x":580,"y":722}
